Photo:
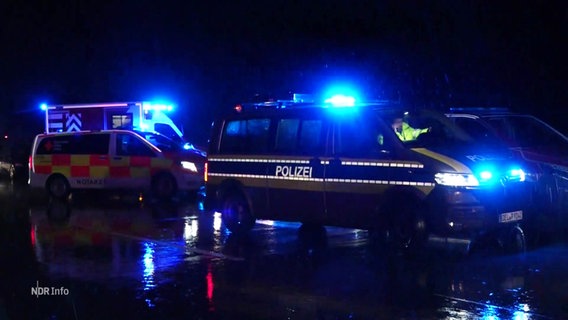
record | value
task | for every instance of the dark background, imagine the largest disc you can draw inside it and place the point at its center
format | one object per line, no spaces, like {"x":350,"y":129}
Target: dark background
{"x":208,"y":55}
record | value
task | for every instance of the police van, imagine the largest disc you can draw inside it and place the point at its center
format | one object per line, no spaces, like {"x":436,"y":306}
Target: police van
{"x":342,"y":164}
{"x":545,"y":151}
{"x":110,"y":159}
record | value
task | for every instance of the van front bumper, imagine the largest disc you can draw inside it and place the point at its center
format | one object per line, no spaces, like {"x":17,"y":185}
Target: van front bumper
{"x":189,"y":182}
{"x":470,"y":214}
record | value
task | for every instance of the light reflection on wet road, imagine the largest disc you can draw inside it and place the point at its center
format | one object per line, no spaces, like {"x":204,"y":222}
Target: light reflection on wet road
{"x":176,"y":261}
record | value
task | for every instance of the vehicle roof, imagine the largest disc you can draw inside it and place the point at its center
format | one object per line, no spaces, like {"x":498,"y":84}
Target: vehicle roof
{"x":275,"y":110}
{"x":94,"y":105}
{"x":84,"y":132}
{"x":481,"y":112}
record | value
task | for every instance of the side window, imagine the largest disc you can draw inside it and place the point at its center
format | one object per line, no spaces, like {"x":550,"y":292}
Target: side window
{"x":473,"y":128}
{"x":119,"y":120}
{"x":129,"y":145}
{"x":75,"y":144}
{"x":361,"y":137}
{"x":287,"y":135}
{"x":245,"y":136}
{"x":530,"y":132}
{"x":299,"y":137}
{"x":92,"y":144}
{"x":311,"y":137}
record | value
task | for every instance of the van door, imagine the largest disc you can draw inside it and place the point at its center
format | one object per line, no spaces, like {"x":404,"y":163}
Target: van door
{"x":296,"y":172}
{"x":359,"y":171}
{"x":242,"y":158}
{"x":131,"y":162}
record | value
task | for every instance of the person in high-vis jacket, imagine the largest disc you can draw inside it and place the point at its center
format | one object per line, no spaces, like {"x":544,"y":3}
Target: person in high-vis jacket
{"x":405,"y":132}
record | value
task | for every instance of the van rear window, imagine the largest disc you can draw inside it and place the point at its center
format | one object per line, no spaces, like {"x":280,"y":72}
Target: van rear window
{"x":75,"y":144}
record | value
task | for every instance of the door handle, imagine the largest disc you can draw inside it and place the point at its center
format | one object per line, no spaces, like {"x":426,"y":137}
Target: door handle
{"x":117,"y":158}
{"x":103,"y":157}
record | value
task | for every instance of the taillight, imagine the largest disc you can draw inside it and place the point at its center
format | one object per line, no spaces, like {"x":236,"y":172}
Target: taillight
{"x":205,"y":172}
{"x":30,"y":163}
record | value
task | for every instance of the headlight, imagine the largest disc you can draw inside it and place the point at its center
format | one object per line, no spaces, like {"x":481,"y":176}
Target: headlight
{"x":456,"y":179}
{"x":188,"y":165}
{"x":517,"y":174}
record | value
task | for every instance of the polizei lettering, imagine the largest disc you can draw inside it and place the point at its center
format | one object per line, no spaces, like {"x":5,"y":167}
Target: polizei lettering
{"x":294,"y":171}
{"x":89,"y":182}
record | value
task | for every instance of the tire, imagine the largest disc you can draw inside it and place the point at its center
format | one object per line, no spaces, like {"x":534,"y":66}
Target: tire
{"x":58,"y":187}
{"x":236,"y":213}
{"x":164,"y":186}
{"x":514,"y":241}
{"x":404,"y":230}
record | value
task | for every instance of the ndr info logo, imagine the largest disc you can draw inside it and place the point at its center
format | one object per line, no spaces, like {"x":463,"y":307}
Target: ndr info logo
{"x":49,"y":291}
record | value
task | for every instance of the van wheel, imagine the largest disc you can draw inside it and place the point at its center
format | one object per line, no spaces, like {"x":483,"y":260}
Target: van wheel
{"x":58,"y":187}
{"x":164,"y":186}
{"x":514,"y":241}
{"x":404,"y":230}
{"x":236,"y":214}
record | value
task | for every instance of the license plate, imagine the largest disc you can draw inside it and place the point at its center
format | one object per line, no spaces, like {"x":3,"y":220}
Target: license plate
{"x":511,"y":216}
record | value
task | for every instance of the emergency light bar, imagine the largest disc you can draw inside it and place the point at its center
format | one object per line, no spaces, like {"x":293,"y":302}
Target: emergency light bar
{"x":298,"y":99}
{"x":306,"y":101}
{"x":148,"y":106}
{"x":340,"y":100}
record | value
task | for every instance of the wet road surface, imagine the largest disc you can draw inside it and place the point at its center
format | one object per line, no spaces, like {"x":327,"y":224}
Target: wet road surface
{"x":122,"y":258}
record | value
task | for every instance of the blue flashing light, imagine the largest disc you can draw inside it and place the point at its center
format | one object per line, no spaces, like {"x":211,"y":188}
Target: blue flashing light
{"x":485,"y":175}
{"x":187,"y":146}
{"x":43,"y":106}
{"x":340,"y":100}
{"x":157,"y":106}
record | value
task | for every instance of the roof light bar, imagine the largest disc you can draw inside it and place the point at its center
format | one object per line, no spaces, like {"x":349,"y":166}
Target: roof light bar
{"x":340,"y":100}
{"x":148,"y":106}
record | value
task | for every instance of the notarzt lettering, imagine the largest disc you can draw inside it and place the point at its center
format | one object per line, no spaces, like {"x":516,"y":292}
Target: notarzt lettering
{"x":87,"y":181}
{"x":294,"y":171}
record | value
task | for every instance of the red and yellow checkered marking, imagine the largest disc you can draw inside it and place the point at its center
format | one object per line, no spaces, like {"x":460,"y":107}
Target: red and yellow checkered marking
{"x":99,"y":166}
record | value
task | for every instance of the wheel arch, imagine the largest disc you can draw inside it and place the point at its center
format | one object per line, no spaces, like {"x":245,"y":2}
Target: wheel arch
{"x":232,"y":186}
{"x":397,"y":193}
{"x":54,"y":176}
{"x":163,"y":173}
{"x":394,"y":196}
{"x":65,"y":179}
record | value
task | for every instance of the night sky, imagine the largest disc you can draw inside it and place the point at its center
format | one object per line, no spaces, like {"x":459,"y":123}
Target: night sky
{"x":208,"y":55}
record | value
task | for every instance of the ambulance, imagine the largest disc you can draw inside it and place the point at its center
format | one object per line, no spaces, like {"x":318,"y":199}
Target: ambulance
{"x":339,"y":162}
{"x":138,"y":115}
{"x":110,"y":159}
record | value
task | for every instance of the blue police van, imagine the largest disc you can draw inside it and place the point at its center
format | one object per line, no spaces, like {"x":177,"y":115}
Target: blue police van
{"x":341,"y":163}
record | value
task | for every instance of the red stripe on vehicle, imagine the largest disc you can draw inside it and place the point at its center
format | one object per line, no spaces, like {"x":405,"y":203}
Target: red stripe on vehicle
{"x":80,"y":171}
{"x":119,"y":172}
{"x":61,"y":159}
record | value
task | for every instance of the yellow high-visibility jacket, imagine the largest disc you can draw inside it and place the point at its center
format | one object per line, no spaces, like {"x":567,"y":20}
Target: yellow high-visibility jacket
{"x":409,"y":133}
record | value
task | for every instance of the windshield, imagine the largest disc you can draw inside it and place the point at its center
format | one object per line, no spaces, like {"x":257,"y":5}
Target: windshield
{"x":429,"y":129}
{"x":530,"y":132}
{"x":162,"y":142}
